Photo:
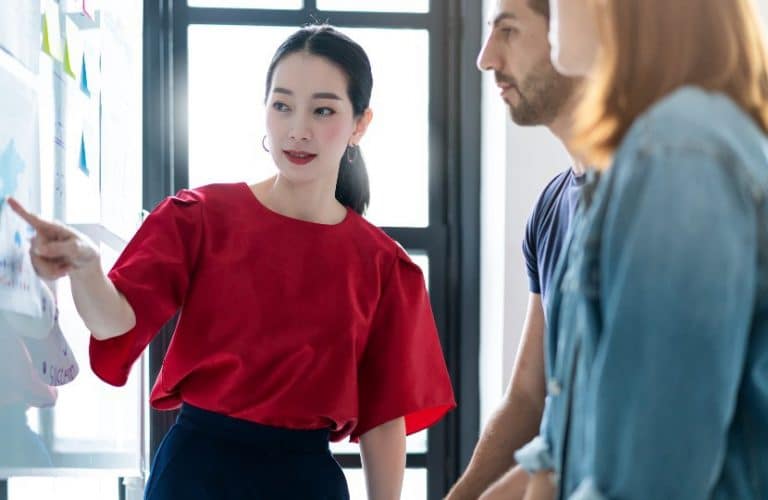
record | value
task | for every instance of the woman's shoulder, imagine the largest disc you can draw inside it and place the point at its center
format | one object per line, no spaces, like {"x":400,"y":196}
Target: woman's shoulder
{"x":692,"y":119}
{"x":374,"y":239}
{"x":212,"y":199}
{"x":200,"y":205}
{"x":369,"y":234}
{"x":220,"y":192}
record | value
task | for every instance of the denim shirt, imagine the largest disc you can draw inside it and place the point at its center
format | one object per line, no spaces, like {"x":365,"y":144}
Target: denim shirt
{"x":657,"y":344}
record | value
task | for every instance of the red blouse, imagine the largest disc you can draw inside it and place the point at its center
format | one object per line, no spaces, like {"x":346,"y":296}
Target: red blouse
{"x":283,"y":322}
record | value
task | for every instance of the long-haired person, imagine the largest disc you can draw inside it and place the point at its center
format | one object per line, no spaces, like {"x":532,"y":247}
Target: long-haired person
{"x":299,"y":321}
{"x":658,"y":343}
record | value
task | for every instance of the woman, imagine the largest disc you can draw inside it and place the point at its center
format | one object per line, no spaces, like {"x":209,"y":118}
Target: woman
{"x":300,"y":322}
{"x":658,"y":343}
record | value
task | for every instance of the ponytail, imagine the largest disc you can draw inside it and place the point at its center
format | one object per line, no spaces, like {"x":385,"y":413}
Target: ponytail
{"x":352,"y":186}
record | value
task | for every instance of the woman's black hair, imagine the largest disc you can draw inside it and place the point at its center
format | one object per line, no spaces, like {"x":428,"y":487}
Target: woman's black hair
{"x":352,"y":187}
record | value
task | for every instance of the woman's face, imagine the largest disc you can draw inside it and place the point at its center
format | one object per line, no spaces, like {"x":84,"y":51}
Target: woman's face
{"x":310,"y":119}
{"x":573,"y":36}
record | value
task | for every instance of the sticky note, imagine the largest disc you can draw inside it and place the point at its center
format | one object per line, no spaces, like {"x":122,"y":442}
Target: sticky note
{"x":68,"y":61}
{"x":46,"y":36}
{"x":51,"y":31}
{"x":84,"y":79}
{"x":83,"y":160}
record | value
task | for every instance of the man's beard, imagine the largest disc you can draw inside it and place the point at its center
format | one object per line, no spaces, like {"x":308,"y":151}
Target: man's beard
{"x":542,"y":95}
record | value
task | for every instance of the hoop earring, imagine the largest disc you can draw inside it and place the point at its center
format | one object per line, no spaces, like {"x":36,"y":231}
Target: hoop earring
{"x":264,"y":143}
{"x":352,"y":153}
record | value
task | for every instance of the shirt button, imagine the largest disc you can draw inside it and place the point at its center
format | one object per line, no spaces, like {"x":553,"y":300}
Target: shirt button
{"x":554,"y":388}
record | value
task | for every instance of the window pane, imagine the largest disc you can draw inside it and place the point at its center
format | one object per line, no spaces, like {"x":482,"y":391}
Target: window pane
{"x":415,"y":443}
{"x":375,"y":5}
{"x":414,"y":484}
{"x":227,"y":68}
{"x":63,"y":488}
{"x":249,"y":4}
{"x":396,"y":146}
{"x":421,"y":260}
{"x":227,"y":72}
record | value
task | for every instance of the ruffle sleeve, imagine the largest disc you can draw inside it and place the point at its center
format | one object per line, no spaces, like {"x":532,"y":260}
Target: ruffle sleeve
{"x":402,"y":371}
{"x":153,"y":273}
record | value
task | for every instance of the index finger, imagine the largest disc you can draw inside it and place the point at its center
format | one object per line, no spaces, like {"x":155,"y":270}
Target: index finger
{"x":31,"y":219}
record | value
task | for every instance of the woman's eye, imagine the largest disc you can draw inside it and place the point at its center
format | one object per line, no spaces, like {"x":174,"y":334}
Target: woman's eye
{"x":279,"y":106}
{"x":324,"y":111}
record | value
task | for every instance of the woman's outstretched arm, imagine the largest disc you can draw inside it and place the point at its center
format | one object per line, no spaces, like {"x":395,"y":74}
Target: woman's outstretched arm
{"x":57,"y":251}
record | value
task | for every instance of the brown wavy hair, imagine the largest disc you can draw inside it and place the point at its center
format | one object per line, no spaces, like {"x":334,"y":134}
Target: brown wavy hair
{"x":649,"y":48}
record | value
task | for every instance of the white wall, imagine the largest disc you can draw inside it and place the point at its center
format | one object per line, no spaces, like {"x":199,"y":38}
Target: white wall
{"x":517,"y":162}
{"x":515,"y":170}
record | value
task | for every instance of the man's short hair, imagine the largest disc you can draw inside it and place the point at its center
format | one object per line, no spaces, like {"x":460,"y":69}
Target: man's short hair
{"x":540,"y":6}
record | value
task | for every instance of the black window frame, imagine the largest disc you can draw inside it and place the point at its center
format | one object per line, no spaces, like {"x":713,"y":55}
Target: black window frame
{"x":452,"y":238}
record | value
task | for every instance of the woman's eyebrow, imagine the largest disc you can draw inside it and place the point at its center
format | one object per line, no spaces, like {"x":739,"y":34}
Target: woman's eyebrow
{"x":316,"y":95}
{"x":326,"y":95}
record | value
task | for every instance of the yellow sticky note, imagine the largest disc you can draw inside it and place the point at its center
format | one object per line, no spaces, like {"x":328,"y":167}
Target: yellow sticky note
{"x":68,"y":62}
{"x":46,"y":37}
{"x":73,"y":49}
{"x":52,"y":31}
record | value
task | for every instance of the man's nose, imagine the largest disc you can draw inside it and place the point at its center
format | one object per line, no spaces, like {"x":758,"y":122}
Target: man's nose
{"x":487,"y":59}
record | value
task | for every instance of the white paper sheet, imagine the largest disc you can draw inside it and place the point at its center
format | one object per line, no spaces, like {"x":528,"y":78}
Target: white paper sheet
{"x":20,"y":30}
{"x":19,"y":177}
{"x":121,"y":127}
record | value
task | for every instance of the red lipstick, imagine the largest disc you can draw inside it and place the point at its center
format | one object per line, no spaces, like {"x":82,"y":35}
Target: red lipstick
{"x":299,"y":157}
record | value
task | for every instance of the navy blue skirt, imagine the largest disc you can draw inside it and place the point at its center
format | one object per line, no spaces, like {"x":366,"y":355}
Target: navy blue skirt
{"x":207,"y":456}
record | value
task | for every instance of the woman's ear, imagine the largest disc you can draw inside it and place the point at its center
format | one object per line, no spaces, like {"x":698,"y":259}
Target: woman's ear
{"x":361,"y":126}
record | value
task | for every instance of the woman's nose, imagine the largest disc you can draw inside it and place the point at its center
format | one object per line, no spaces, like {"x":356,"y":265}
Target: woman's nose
{"x":300,"y":131}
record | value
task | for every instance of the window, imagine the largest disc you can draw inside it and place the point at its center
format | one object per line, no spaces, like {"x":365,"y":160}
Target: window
{"x":248,"y":4}
{"x":375,"y":5}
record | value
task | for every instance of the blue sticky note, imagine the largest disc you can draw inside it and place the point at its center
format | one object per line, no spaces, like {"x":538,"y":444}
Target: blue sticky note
{"x":83,"y":161}
{"x":84,"y":79}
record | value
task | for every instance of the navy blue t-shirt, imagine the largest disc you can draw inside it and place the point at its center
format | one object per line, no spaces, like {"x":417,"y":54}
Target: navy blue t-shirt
{"x":547,"y":228}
